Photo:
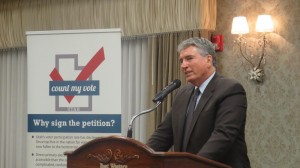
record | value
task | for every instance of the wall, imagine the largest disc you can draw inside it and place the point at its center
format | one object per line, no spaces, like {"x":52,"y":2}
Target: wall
{"x":273,"y":116}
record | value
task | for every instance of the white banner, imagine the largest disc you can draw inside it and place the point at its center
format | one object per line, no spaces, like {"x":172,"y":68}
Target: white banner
{"x":74,"y":91}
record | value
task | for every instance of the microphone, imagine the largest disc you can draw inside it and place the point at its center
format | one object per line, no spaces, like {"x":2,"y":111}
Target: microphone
{"x":158,"y":99}
{"x":168,"y":89}
{"x":129,"y":131}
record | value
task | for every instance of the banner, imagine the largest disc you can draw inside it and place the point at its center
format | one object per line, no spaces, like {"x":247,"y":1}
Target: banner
{"x":74,"y":91}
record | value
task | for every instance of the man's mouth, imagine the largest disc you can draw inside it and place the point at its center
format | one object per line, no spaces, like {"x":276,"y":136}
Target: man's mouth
{"x":188,"y":73}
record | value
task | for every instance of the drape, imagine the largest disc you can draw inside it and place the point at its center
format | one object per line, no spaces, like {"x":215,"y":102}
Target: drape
{"x":13,"y":114}
{"x":134,"y":17}
{"x":134,"y":84}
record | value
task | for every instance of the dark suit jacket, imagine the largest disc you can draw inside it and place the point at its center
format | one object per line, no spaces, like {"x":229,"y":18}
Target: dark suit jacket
{"x":218,"y":124}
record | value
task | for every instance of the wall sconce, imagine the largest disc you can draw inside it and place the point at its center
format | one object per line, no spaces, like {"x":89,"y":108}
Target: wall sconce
{"x":264,"y":24}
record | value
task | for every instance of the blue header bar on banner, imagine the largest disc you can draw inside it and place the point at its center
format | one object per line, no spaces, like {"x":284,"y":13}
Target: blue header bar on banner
{"x":79,"y":123}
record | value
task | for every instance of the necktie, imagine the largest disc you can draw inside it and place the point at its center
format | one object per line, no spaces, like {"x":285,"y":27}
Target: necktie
{"x":189,"y":116}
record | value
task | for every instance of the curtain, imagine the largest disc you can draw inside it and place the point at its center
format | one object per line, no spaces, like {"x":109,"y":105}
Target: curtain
{"x":165,"y":67}
{"x":134,"y":17}
{"x":208,"y":15}
{"x":134,"y":84}
{"x":13,"y":114}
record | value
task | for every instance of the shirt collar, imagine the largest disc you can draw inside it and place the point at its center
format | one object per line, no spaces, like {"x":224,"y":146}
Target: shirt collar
{"x":205,"y":83}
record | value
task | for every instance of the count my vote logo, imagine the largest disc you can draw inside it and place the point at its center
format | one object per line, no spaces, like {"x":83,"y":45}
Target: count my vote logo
{"x":65,"y":89}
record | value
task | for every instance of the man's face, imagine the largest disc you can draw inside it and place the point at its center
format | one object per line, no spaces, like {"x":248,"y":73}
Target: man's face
{"x":195,"y":67}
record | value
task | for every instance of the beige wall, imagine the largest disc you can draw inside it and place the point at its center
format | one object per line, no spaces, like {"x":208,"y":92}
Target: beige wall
{"x":273,"y":123}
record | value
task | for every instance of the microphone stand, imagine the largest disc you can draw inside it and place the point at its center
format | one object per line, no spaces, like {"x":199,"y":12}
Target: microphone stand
{"x":129,"y":132}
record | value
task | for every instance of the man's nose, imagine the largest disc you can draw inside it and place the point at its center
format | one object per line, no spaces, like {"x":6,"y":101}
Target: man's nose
{"x":183,"y":65}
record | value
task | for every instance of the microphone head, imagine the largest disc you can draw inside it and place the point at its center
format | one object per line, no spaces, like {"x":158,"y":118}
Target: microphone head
{"x":177,"y":83}
{"x":162,"y":94}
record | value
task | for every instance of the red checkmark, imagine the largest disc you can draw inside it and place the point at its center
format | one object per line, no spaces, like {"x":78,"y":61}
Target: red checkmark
{"x":86,"y":72}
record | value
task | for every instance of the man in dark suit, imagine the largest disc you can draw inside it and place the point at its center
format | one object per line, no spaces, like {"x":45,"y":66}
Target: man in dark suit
{"x":216,"y":128}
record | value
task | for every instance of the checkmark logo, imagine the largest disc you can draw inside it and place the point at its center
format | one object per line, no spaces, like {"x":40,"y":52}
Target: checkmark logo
{"x":86,"y":72}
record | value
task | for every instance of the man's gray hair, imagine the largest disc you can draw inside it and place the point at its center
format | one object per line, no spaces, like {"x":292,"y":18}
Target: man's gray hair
{"x":204,"y":46}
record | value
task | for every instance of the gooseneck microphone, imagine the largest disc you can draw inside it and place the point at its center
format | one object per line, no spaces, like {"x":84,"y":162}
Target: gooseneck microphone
{"x":158,"y":99}
{"x":168,"y":89}
{"x":129,"y":132}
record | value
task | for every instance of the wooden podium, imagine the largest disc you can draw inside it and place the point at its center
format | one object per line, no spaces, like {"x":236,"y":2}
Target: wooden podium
{"x":122,"y":152}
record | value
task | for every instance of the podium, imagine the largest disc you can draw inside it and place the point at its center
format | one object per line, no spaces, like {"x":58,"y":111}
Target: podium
{"x":123,"y":152}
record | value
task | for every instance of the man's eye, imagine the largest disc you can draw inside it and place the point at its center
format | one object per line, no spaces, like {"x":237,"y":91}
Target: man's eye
{"x":189,"y":58}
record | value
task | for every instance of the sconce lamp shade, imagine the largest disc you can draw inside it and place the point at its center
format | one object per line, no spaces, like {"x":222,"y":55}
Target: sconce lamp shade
{"x":239,"y":25}
{"x":264,"y":23}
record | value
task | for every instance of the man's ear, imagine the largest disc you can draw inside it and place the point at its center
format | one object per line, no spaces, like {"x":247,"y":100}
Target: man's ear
{"x":209,"y":58}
